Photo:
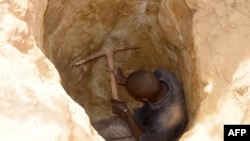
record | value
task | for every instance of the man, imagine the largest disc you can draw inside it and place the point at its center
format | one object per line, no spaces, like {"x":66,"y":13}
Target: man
{"x":163,"y":116}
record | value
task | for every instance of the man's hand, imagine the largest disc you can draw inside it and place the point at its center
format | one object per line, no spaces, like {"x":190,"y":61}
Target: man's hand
{"x":119,"y":76}
{"x":119,"y":107}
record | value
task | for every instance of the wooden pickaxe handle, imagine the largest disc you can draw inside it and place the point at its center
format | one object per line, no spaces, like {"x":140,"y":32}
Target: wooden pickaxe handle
{"x":109,"y":53}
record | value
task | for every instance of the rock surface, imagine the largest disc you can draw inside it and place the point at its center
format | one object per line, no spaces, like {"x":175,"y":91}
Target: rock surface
{"x":221,"y":33}
{"x":33,"y":104}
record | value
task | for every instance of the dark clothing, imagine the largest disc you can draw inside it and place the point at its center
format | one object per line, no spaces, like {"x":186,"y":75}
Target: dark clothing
{"x":167,"y":118}
{"x":164,"y":120}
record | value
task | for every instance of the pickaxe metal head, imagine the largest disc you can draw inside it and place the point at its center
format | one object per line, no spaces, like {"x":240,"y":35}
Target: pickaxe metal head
{"x":109,"y":53}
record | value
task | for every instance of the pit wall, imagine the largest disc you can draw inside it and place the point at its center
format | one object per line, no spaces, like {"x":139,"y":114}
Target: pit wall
{"x":221,"y":33}
{"x":33,"y":104}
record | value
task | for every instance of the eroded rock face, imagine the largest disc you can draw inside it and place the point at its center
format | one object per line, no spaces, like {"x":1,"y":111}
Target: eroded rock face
{"x":221,"y":38}
{"x":33,"y":104}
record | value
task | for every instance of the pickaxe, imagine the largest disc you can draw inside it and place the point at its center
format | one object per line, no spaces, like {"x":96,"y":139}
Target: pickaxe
{"x":109,"y":53}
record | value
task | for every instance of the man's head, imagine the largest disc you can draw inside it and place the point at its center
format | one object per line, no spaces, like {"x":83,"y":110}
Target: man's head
{"x":143,"y":84}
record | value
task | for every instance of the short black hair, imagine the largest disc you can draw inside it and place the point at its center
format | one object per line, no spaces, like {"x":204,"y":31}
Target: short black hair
{"x":143,"y":84}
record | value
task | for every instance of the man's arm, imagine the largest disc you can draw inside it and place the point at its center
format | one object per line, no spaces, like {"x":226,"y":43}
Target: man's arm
{"x":135,"y":129}
{"x":121,"y":109}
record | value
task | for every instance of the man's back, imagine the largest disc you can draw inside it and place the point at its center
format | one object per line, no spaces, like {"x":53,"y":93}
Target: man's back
{"x":167,"y":118}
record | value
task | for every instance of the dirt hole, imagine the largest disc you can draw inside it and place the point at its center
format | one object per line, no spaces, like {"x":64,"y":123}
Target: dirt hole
{"x":76,"y":29}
